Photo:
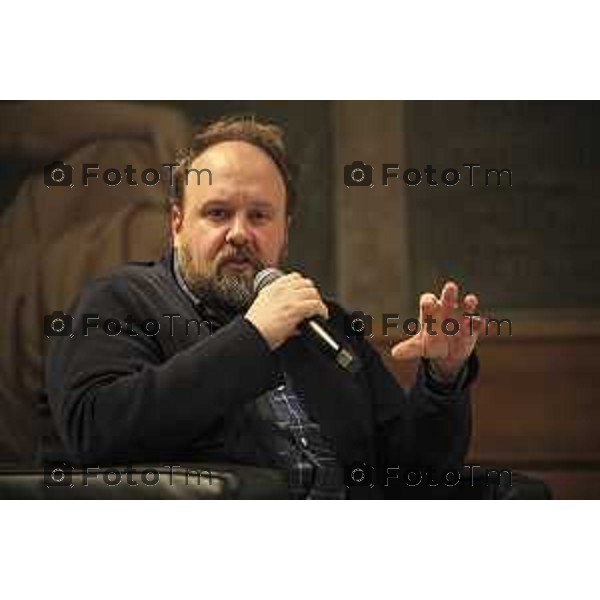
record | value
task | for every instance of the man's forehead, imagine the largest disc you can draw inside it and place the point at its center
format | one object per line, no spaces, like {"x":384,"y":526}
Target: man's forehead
{"x":237,"y":168}
{"x":236,"y":157}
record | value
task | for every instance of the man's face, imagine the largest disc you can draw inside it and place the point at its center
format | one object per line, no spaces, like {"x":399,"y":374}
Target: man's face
{"x":231,"y":229}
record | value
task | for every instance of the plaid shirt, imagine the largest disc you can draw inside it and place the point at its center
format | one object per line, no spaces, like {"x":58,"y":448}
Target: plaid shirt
{"x":309,"y":458}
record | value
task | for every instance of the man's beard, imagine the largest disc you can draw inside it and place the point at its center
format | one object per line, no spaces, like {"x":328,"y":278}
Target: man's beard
{"x":233,"y":289}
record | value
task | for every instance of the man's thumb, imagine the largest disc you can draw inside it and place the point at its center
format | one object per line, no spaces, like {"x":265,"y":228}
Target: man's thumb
{"x":408,"y":349}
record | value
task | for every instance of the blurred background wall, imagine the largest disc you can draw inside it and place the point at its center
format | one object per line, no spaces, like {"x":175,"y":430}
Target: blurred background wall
{"x":529,"y":250}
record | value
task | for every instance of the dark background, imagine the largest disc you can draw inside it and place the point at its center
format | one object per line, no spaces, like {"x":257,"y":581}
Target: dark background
{"x":541,"y":233}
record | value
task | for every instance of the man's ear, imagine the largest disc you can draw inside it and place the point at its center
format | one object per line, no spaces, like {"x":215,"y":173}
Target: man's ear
{"x":175,"y":221}
{"x":286,"y":238}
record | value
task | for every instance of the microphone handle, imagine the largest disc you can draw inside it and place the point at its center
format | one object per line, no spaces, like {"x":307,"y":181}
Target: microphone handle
{"x":316,"y":329}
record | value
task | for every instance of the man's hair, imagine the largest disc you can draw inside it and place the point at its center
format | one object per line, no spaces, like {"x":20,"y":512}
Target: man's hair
{"x":265,"y":136}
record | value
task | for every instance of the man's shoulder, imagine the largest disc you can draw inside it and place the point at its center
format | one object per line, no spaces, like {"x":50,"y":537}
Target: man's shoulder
{"x":129,"y":280}
{"x":139,"y":270}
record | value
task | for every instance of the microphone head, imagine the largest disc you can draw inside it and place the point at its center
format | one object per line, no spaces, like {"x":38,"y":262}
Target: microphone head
{"x":266,"y":277}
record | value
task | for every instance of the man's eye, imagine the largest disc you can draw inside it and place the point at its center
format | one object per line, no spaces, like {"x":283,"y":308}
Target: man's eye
{"x":258,"y":216}
{"x":216,"y":214}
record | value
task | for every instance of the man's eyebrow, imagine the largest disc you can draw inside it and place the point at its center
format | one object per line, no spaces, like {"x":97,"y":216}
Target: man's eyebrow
{"x":215,"y":202}
{"x":261,"y":204}
{"x":225,"y":203}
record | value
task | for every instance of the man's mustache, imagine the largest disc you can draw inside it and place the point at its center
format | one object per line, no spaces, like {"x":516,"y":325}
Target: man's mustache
{"x":240,"y":254}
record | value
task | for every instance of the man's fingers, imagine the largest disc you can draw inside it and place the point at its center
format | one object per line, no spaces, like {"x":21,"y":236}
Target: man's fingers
{"x":295,"y":279}
{"x":310,"y":308}
{"x":291,"y":276}
{"x":470,"y":303}
{"x":428,"y":306}
{"x":449,"y":295}
{"x":306,"y":293}
{"x":448,"y":300}
{"x":471,"y":324}
{"x":433,"y":312}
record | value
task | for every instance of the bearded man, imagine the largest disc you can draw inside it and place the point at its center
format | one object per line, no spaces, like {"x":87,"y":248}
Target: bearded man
{"x":227,"y":376}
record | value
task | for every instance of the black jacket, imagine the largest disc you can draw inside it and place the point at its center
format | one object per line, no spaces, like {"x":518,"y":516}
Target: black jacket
{"x":190,"y":396}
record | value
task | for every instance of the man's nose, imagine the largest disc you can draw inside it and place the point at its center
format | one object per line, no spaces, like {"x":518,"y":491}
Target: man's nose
{"x":239,"y":232}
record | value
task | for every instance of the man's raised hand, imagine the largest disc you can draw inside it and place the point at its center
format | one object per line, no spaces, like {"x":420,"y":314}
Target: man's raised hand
{"x":447,"y":353}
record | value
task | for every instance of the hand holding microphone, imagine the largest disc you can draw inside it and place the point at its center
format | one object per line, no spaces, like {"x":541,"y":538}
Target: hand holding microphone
{"x":282,"y":303}
{"x":286,"y":305}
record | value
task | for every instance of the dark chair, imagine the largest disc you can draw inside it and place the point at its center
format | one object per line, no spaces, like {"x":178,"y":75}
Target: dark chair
{"x":193,"y":481}
{"x":141,"y":482}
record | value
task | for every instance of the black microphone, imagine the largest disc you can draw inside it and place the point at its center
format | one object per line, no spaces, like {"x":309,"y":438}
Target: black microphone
{"x":314,"y":328}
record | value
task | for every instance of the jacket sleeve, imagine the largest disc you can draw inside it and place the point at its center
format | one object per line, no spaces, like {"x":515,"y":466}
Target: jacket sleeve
{"x":427,"y":427}
{"x":116,"y":398}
